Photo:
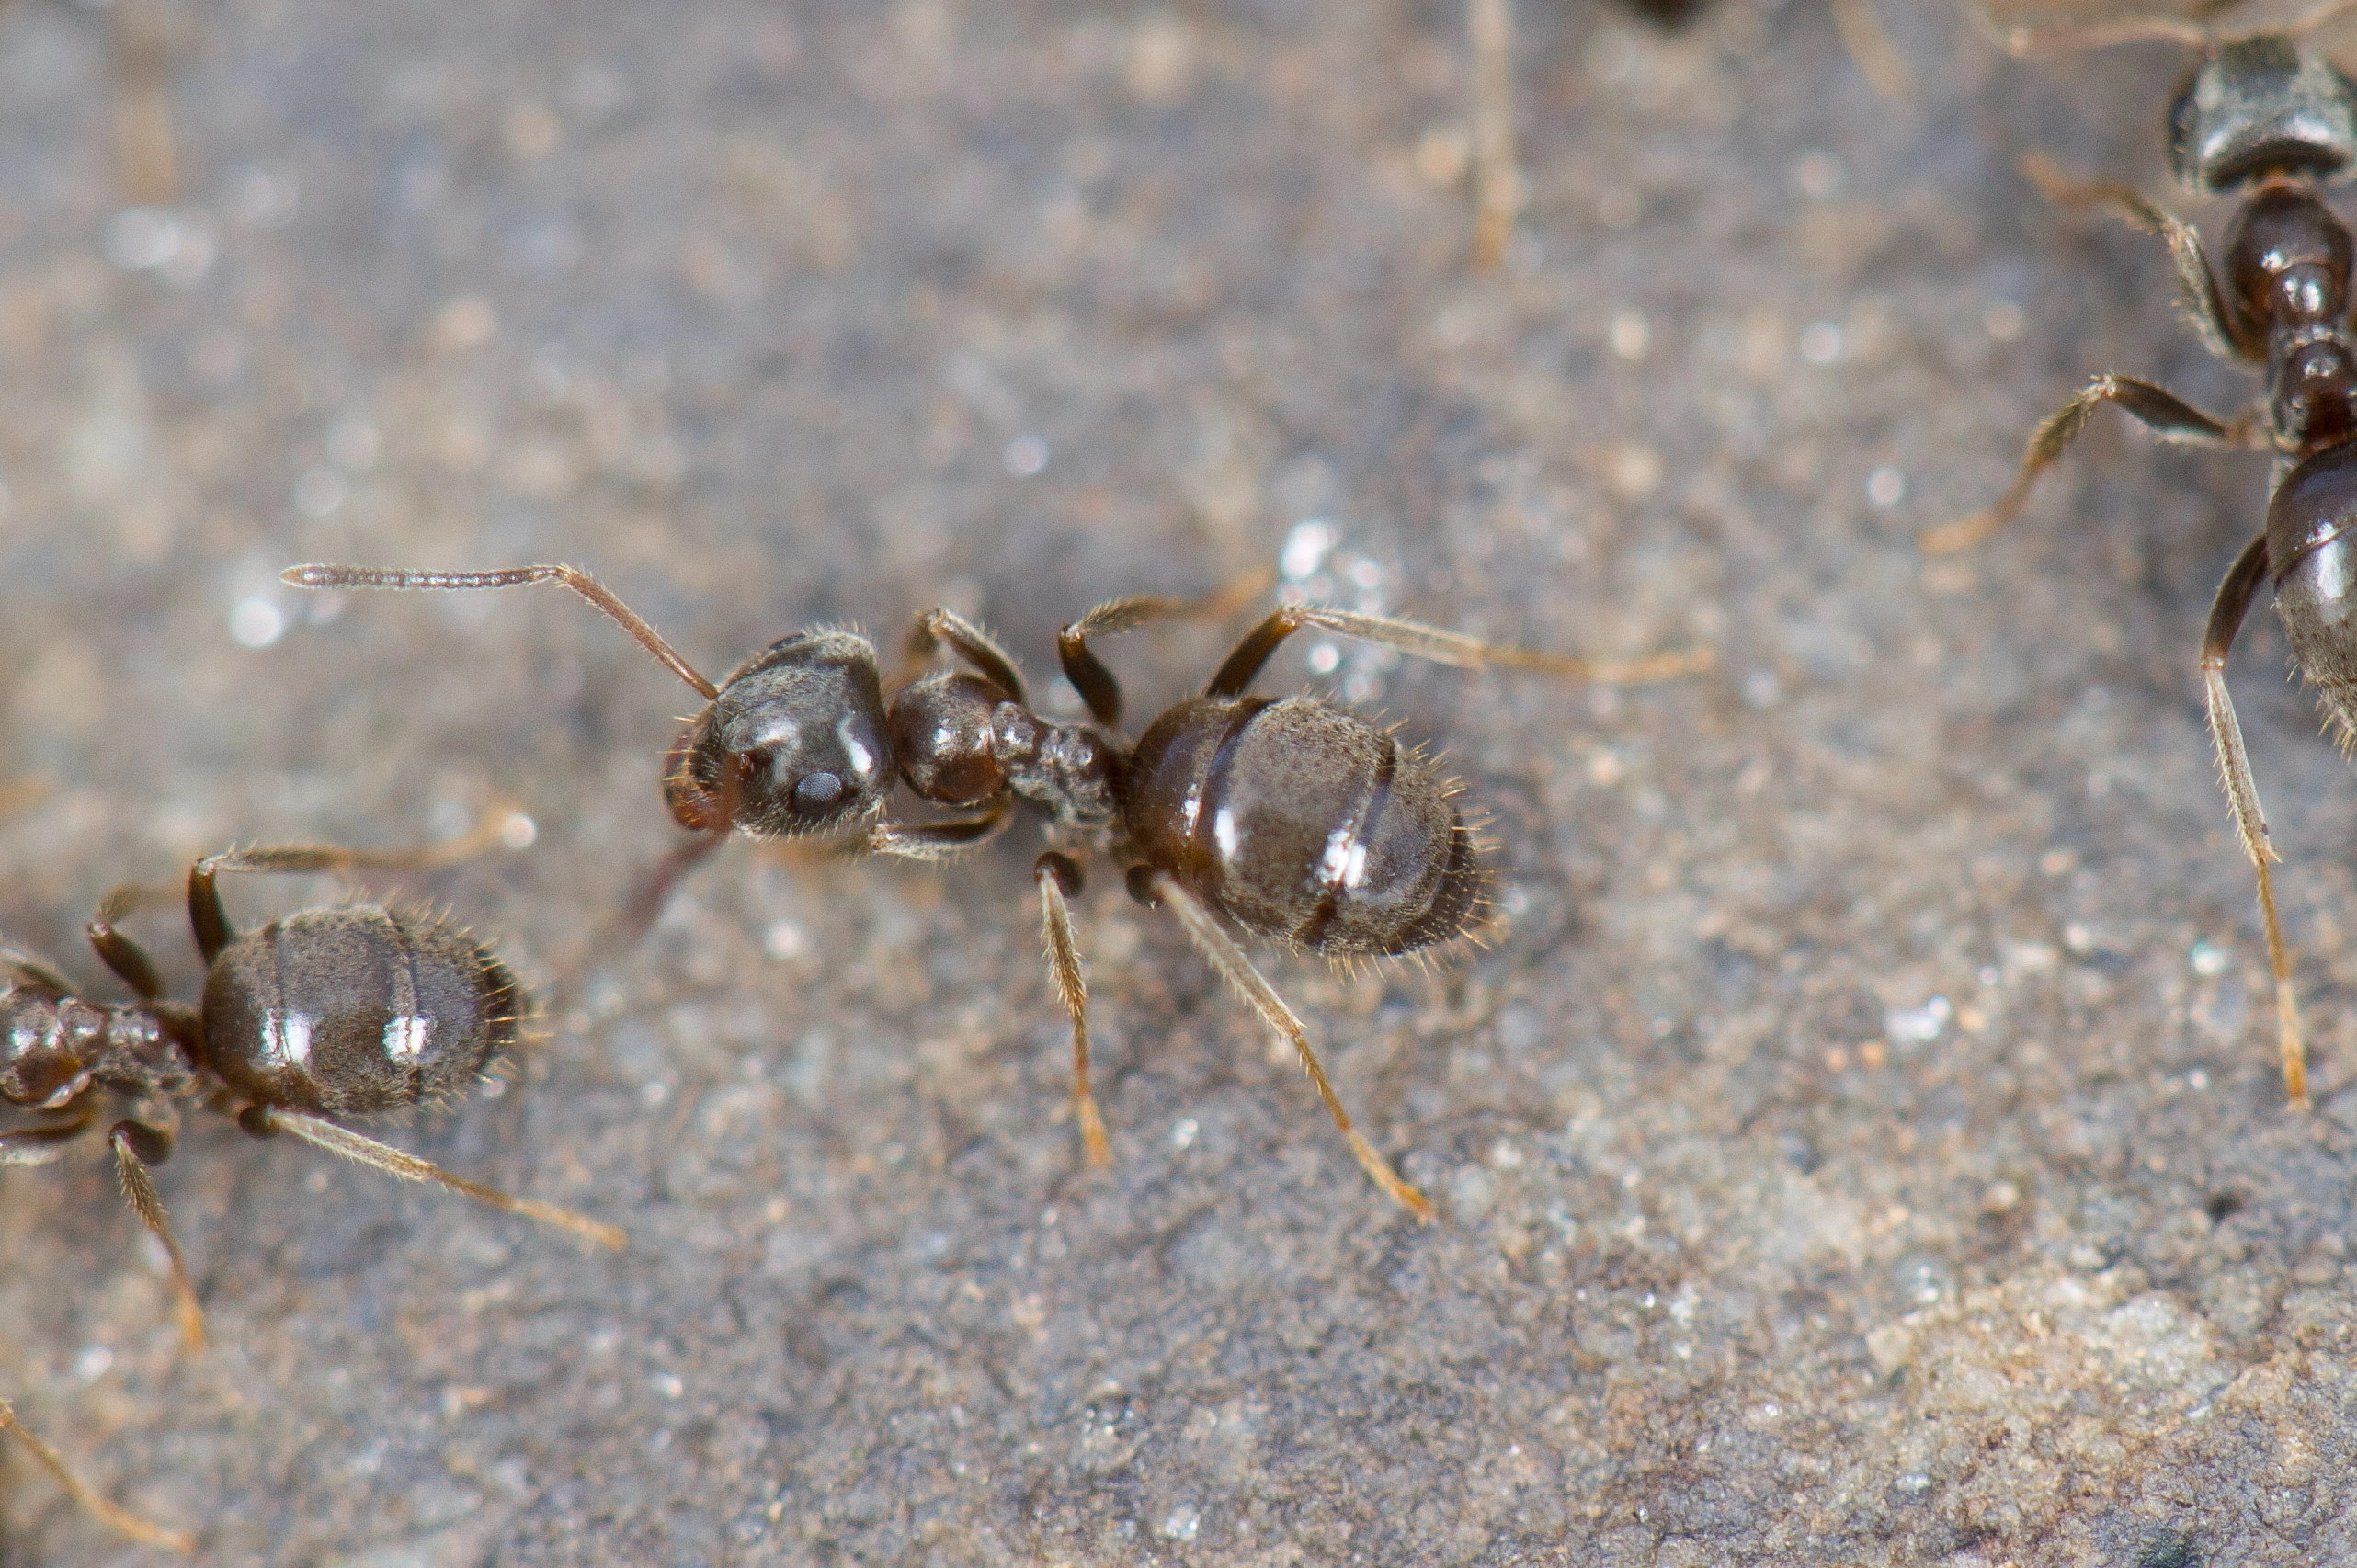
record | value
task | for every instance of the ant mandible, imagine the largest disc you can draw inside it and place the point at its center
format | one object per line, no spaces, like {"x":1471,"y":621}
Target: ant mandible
{"x":2268,"y":118}
{"x":323,"y":1014}
{"x":1296,"y":820}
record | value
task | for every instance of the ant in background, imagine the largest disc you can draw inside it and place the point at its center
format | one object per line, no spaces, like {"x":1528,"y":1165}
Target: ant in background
{"x":2266,"y":118}
{"x":323,"y":1014}
{"x":1292,"y":818}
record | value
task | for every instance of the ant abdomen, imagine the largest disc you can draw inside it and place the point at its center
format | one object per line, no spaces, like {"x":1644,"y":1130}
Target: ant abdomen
{"x":1304,"y":824}
{"x":351,"y":1011}
{"x":2312,"y":551}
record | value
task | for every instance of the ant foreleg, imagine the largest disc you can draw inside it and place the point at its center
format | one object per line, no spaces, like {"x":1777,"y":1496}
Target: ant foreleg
{"x":970,"y":642}
{"x":337,"y":1139}
{"x":46,"y":1145}
{"x":89,"y":1500}
{"x":1441,"y":646}
{"x":936,"y":841}
{"x":33,"y":967}
{"x":2166,"y":414}
{"x":2226,"y":612}
{"x":1059,"y":878}
{"x":1228,"y":960}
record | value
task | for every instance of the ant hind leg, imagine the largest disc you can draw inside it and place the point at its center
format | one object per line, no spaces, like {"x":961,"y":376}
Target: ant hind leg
{"x":340,"y":1139}
{"x":1203,"y":929}
{"x":2226,"y":612}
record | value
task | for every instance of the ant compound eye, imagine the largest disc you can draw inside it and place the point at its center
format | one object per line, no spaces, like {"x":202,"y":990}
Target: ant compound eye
{"x":817,"y":792}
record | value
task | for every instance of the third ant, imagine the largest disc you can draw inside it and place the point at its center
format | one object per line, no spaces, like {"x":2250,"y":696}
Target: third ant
{"x":2265,"y":117}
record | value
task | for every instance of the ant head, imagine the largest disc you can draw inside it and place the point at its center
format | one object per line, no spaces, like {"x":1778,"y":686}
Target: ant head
{"x":797,"y":735}
{"x":2261,"y":106}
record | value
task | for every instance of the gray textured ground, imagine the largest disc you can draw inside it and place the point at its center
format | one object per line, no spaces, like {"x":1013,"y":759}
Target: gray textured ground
{"x":1862,"y":1145}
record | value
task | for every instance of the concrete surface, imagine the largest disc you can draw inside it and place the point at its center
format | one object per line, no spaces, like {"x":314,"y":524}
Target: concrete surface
{"x":1861,"y":1145}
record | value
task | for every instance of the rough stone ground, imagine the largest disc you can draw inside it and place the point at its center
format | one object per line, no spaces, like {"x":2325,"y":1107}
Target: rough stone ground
{"x":1861,"y":1145}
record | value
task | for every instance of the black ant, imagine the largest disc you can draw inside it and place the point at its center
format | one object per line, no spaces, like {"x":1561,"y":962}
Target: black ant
{"x":2263,"y":115}
{"x":1292,"y":818}
{"x":325,"y":1013}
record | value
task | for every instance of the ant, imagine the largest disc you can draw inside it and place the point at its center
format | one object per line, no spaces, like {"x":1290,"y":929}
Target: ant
{"x":1291,"y":818}
{"x":323,"y":1014}
{"x":2264,"y":117}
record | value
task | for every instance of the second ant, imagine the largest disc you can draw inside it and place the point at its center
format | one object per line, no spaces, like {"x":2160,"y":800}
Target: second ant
{"x":1291,"y":818}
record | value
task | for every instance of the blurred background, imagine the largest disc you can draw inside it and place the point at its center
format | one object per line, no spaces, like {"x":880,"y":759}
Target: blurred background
{"x":1861,"y":1140}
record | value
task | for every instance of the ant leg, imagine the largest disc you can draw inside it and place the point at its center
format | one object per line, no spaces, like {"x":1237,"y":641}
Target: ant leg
{"x":34,"y":967}
{"x":1059,"y":878}
{"x":138,"y":1146}
{"x":1870,"y":48}
{"x":1441,"y":646}
{"x":2197,"y":286}
{"x":2242,"y":796}
{"x":45,"y":1145}
{"x":710,"y":815}
{"x":210,"y":920}
{"x":262,"y":1120}
{"x":1089,"y":675}
{"x":572,"y":577}
{"x":2166,"y":414}
{"x":937,"y":840}
{"x":2021,"y":38}
{"x":87,"y":1500}
{"x":1151,"y":885}
{"x":969,"y":642}
{"x":126,"y":958}
{"x":1498,"y":185}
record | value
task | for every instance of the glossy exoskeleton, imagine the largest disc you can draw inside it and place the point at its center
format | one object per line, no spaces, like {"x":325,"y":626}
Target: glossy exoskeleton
{"x":354,"y":1010}
{"x":1291,"y":818}
{"x":2269,"y":118}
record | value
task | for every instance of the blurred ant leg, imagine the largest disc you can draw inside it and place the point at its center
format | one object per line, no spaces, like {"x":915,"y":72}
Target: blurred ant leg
{"x":2021,"y":39}
{"x":141,"y":35}
{"x":33,"y":967}
{"x":1089,"y":675}
{"x":46,"y":1145}
{"x":1059,"y":878}
{"x":1497,"y":184}
{"x":263,"y":1121}
{"x":89,"y":1501}
{"x":580,"y":582}
{"x":969,"y":641}
{"x":2197,"y":286}
{"x":138,"y":1146}
{"x":2233,"y":602}
{"x":710,"y":814}
{"x":2166,"y":414}
{"x":1870,"y":48}
{"x":210,"y":920}
{"x":936,"y":841}
{"x":1151,"y":885}
{"x":1441,"y":646}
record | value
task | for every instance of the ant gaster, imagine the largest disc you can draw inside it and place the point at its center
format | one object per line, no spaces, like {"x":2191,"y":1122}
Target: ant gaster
{"x":2269,"y":118}
{"x":325,"y":1013}
{"x":1291,"y":818}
